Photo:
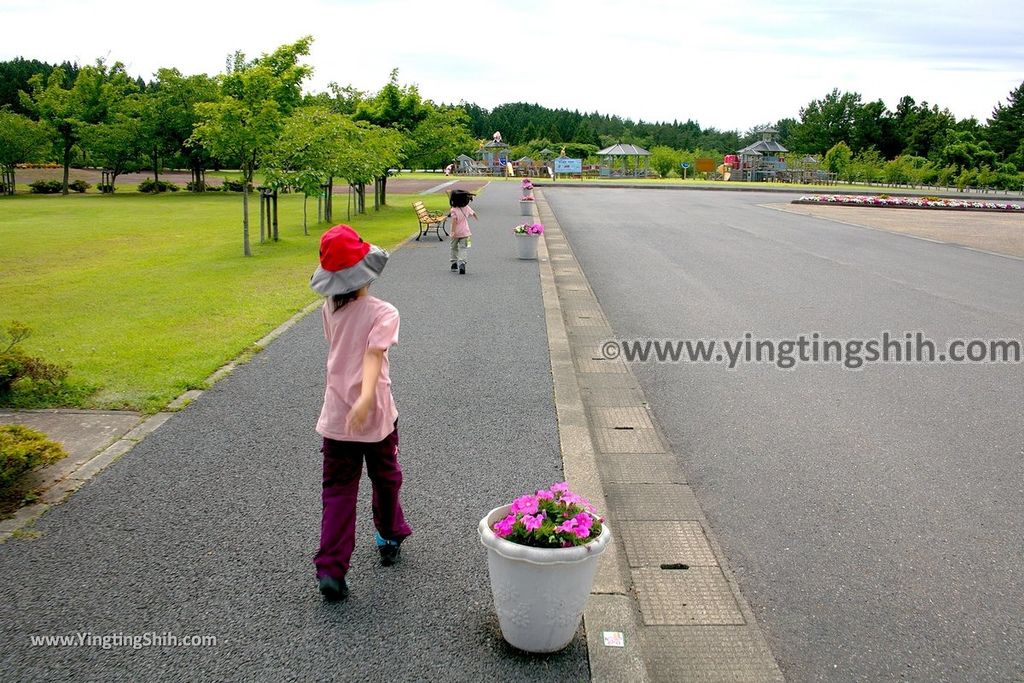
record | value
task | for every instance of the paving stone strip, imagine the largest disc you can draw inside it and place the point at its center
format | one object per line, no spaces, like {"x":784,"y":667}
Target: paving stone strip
{"x":691,"y":621}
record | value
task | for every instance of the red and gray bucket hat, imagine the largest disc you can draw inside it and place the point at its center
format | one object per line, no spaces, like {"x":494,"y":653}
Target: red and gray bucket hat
{"x":347,"y":263}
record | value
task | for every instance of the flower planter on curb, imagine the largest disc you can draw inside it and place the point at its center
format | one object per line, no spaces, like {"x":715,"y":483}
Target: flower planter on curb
{"x":526,"y":246}
{"x":539,"y":593}
{"x":525,"y":207}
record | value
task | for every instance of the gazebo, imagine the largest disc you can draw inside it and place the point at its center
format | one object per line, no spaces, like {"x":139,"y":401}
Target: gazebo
{"x":615,"y":161}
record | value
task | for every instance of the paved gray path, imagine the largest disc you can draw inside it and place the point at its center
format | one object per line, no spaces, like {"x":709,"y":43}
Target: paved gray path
{"x":208,"y":526}
{"x":873,"y":518}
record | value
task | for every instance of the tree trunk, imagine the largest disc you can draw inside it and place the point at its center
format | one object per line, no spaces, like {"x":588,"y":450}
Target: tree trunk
{"x":329,"y":202}
{"x":305,"y":200}
{"x":245,"y":216}
{"x":273,"y":200}
{"x":384,"y":190}
{"x":67,"y":165}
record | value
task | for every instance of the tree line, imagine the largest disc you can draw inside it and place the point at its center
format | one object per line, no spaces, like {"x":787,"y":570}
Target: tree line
{"x":917,"y":143}
{"x":254,"y":116}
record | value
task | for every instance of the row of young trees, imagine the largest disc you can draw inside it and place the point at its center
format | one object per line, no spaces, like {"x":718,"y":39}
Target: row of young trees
{"x":254,"y":116}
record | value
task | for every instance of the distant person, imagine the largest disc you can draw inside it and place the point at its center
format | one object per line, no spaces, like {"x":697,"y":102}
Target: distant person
{"x":359,"y":418}
{"x":460,"y":214}
{"x":449,"y":169}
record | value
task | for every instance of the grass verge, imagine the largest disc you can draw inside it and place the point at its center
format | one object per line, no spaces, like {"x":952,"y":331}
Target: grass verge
{"x":145,"y":296}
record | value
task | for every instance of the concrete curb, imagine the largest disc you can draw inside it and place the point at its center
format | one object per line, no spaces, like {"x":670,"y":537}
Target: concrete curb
{"x":610,"y":606}
{"x":693,"y":625}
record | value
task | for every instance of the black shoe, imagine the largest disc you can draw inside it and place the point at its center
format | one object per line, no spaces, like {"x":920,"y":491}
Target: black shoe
{"x":332,"y":589}
{"x":455,"y":266}
{"x":388,"y":550}
{"x":462,"y":269}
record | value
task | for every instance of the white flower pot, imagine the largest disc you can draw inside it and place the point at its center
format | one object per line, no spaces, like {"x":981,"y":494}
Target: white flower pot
{"x":525,"y":208}
{"x":526,"y":246}
{"x":528,"y":192}
{"x":539,"y":593}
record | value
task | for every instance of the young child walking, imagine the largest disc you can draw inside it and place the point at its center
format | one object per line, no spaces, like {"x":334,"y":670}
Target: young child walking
{"x":460,"y":214}
{"x":359,"y":419}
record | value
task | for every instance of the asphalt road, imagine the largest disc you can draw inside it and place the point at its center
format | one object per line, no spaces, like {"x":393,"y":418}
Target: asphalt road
{"x":208,"y":527}
{"x":874,"y":518}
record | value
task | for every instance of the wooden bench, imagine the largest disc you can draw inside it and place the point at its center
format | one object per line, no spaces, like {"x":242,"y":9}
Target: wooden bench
{"x":430,"y":221}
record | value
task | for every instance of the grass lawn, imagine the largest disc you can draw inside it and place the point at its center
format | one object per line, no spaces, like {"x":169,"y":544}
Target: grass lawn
{"x":145,"y":296}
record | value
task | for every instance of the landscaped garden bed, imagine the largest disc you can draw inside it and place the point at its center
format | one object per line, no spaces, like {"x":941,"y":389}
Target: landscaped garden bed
{"x":901,"y":202}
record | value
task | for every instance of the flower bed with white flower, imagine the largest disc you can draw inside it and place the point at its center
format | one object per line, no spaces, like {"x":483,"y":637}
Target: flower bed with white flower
{"x":552,"y":518}
{"x":909,"y":202}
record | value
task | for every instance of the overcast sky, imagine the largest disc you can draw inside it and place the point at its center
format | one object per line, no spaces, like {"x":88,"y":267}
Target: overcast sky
{"x":727,"y":64}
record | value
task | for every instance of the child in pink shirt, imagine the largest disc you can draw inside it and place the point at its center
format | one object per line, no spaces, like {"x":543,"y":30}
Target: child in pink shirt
{"x":460,"y":214}
{"x":358,"y":420}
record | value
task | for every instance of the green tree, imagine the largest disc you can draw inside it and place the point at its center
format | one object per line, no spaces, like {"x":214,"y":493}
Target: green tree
{"x":867,"y":166}
{"x":21,"y":140}
{"x":68,"y":111}
{"x":838,"y":159}
{"x":664,"y":160}
{"x":306,"y":153}
{"x":827,"y":121}
{"x":255,"y":98}
{"x":116,"y":143}
{"x":440,"y":137}
{"x":1006,"y":127}
{"x":169,"y":117}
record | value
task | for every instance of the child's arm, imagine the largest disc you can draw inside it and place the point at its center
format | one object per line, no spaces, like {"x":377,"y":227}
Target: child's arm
{"x":372,"y":361}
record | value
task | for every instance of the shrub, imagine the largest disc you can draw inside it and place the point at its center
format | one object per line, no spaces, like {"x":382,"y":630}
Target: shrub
{"x":78,"y":185}
{"x":23,"y":449}
{"x":150,"y":186}
{"x":105,"y":188}
{"x":46,"y":187}
{"x":16,"y":364}
{"x":234,"y":186}
{"x":212,"y":188}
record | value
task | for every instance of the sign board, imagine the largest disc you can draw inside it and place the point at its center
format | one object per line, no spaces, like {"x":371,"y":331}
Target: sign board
{"x":685,"y":164}
{"x":705,"y":165}
{"x":564,"y":165}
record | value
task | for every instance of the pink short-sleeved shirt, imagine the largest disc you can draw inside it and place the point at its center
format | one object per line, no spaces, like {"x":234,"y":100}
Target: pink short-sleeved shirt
{"x":460,"y":221}
{"x":361,"y":324}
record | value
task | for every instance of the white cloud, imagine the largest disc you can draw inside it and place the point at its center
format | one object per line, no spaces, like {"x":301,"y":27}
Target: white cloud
{"x":730,"y":64}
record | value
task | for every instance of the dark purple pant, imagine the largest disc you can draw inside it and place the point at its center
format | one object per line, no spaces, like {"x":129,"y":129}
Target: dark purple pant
{"x":343,"y":467}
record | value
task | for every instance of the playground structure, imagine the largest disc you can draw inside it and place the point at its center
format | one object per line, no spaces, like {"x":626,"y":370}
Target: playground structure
{"x":765,"y":161}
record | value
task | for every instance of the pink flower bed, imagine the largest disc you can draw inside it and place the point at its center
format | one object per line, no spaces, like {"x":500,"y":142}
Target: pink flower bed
{"x":908,"y":202}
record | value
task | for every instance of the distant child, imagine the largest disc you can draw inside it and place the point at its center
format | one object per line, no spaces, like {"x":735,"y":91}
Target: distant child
{"x":460,"y":214}
{"x":359,"y":418}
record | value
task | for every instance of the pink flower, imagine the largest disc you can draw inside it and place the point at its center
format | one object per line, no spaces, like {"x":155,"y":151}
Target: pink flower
{"x":503,"y":527}
{"x":570,"y":526}
{"x":583,"y":524}
{"x":561,"y":486}
{"x":525,"y":504}
{"x":571,"y":498}
{"x":545,"y":495}
{"x":532,"y":522}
